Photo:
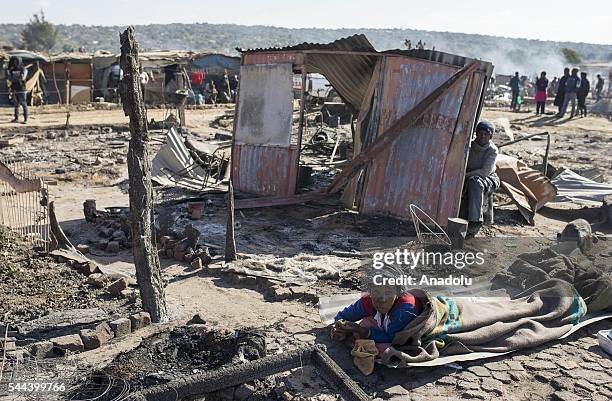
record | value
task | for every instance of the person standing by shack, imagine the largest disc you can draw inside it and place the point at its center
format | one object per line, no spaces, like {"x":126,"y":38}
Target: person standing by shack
{"x":16,"y":75}
{"x":213,"y":92}
{"x":599,"y":87}
{"x":571,"y":86}
{"x":114,"y":77}
{"x":582,"y":92}
{"x":227,"y":91}
{"x":541,"y":93}
{"x":144,"y":80}
{"x":234,"y":87}
{"x":561,"y":90}
{"x":515,"y":84}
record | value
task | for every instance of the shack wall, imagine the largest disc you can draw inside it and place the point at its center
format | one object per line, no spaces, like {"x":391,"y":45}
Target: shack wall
{"x":425,"y":165}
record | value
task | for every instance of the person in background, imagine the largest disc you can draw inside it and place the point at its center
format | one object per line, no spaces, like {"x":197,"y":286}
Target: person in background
{"x":114,"y":77}
{"x":144,"y":80}
{"x":514,"y":84}
{"x":226,"y":89}
{"x":599,"y":87}
{"x":213,"y":92}
{"x":571,"y":86}
{"x":16,"y":75}
{"x":234,"y":87}
{"x":561,"y":90}
{"x":480,"y":178}
{"x":541,"y":93}
{"x":554,"y":86}
{"x":582,"y":92}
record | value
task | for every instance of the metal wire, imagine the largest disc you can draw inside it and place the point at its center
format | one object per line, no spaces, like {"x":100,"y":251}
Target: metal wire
{"x":25,"y":213}
{"x":97,"y":386}
{"x":427,"y":230}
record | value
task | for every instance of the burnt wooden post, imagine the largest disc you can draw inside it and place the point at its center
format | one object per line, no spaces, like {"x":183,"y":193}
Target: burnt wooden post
{"x":146,"y":259}
{"x":230,"y":240}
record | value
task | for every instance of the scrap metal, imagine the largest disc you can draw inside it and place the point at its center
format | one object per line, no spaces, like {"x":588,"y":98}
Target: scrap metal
{"x":410,"y":166}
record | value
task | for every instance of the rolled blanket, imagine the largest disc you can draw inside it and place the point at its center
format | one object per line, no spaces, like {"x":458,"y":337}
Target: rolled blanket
{"x":450,"y":325}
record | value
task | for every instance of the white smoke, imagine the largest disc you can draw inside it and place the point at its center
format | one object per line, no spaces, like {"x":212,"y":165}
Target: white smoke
{"x":527,"y":63}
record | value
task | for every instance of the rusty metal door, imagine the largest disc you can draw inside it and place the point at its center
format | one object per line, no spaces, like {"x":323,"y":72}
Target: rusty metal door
{"x":263,"y":161}
{"x":426,"y":164}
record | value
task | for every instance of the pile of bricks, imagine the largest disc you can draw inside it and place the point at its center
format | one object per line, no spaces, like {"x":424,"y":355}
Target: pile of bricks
{"x":113,"y":228}
{"x":184,"y":250}
{"x":91,"y":338}
{"x":116,"y":286}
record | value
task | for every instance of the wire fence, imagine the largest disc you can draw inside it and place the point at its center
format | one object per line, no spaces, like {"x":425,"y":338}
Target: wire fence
{"x":24,"y":202}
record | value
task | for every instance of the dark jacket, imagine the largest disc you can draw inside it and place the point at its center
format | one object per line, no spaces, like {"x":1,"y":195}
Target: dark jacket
{"x":17,"y":74}
{"x":571,"y":84}
{"x":583,"y":89}
{"x":561,"y":91}
{"x":515,"y":83}
{"x":541,"y":84}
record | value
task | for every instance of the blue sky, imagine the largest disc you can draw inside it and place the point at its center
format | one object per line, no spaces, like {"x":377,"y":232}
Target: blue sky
{"x":546,"y":20}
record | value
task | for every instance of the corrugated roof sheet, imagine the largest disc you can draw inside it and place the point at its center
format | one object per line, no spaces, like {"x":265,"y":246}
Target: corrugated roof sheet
{"x":355,"y":43}
{"x":72,"y":57}
{"x":26,"y":55}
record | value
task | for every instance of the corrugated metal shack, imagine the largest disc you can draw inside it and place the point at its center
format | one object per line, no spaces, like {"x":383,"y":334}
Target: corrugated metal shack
{"x":416,"y":112}
{"x":69,"y":78}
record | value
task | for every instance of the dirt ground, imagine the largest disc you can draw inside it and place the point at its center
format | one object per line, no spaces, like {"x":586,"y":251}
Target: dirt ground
{"x":321,"y":240}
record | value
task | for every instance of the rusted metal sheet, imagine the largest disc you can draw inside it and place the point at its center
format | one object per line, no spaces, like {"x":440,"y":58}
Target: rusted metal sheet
{"x":413,"y":169}
{"x":349,"y":74}
{"x":279,"y":200}
{"x":264,"y":169}
{"x":449,"y":200}
{"x":354,"y":43}
{"x":265,"y":109}
{"x":272,"y":58}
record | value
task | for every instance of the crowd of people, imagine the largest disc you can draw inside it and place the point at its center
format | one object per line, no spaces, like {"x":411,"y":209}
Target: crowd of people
{"x":211,"y":92}
{"x":571,"y":88}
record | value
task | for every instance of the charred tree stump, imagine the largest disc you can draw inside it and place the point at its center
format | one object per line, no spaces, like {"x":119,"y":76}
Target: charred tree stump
{"x":146,"y":259}
{"x":230,"y":239}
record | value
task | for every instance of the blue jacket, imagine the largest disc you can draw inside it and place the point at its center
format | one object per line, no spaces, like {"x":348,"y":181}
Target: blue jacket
{"x":572,"y":84}
{"x":405,"y":308}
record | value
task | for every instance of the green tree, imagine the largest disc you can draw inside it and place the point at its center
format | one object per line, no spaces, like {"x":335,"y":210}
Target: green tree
{"x":571,"y":56}
{"x":39,"y":34}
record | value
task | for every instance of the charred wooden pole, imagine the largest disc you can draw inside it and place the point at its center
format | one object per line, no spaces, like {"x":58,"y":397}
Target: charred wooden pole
{"x":235,"y":374}
{"x":230,"y":239}
{"x":146,"y":259}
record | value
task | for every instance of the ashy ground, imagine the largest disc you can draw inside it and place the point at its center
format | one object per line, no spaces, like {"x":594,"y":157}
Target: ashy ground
{"x":323,"y":239}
